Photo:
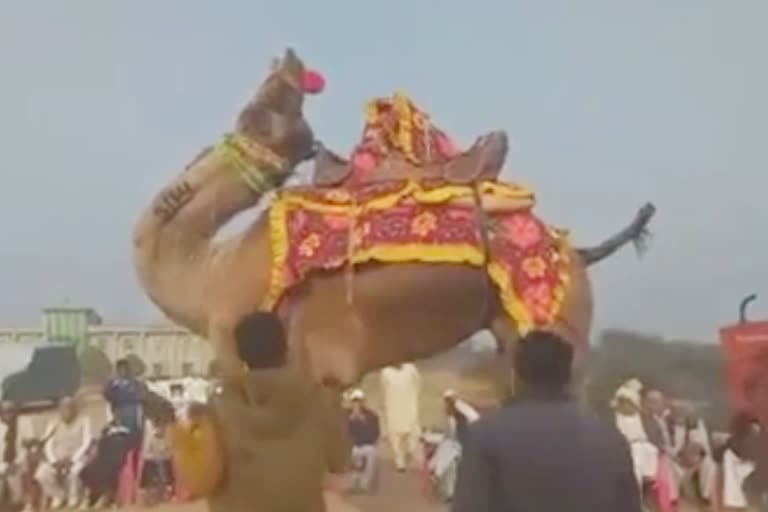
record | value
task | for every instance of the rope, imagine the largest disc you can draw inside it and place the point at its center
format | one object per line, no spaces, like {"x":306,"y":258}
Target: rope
{"x":482,"y":226}
{"x":259,"y":167}
{"x":406,"y":120}
{"x":351,"y":247}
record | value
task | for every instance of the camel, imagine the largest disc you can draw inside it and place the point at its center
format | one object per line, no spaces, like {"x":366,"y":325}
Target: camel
{"x":401,"y":312}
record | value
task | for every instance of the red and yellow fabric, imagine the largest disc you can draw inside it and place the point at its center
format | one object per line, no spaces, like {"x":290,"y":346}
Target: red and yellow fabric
{"x":745,"y":349}
{"x":317,"y":229}
{"x":397,"y":125}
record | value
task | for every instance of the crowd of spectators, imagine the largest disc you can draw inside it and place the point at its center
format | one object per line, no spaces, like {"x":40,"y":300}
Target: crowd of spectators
{"x":69,"y":465}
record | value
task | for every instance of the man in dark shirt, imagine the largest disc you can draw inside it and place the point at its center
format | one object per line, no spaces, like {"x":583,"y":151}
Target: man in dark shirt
{"x":542,"y":452}
{"x":364,"y":431}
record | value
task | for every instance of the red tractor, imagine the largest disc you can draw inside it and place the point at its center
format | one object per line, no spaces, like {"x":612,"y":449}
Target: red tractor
{"x":745,"y":347}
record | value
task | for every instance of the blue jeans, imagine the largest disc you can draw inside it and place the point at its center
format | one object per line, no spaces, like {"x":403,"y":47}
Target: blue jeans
{"x":364,"y":463}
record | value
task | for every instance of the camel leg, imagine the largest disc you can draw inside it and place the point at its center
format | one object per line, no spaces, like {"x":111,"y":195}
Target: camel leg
{"x":326,"y":343}
{"x":315,"y":354}
{"x":507,"y":337}
{"x":221,"y":336}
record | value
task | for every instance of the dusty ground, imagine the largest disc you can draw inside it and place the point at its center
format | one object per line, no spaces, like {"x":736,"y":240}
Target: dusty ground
{"x":396,"y":492}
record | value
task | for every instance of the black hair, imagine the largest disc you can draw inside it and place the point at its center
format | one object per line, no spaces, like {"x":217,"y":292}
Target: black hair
{"x":648,"y":390}
{"x":741,"y":423}
{"x":260,"y":340}
{"x":543,"y":360}
{"x":122,"y":363}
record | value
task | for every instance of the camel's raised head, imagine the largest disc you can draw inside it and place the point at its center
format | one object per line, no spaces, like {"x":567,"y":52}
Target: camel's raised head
{"x":274,"y":117}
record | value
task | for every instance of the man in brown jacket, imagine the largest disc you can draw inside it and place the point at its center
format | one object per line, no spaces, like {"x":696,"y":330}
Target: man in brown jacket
{"x":279,"y":432}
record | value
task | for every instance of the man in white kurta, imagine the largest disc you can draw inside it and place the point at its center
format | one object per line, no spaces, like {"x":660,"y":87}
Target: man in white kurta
{"x":68,"y":439}
{"x":645,"y":456}
{"x":401,"y":386}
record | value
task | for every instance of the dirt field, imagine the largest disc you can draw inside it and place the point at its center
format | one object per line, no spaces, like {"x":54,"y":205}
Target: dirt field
{"x":396,"y":492}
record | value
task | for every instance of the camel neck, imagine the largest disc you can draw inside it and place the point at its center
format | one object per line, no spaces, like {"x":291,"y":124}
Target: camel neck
{"x":174,"y":239}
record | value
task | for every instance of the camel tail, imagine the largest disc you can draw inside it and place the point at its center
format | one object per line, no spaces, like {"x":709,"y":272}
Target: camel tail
{"x":636,"y":232}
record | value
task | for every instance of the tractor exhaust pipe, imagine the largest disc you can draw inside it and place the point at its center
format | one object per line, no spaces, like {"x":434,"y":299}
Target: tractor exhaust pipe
{"x":743,"y":305}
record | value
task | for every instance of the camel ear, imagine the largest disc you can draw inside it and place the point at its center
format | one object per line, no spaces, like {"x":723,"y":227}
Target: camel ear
{"x":292,"y":68}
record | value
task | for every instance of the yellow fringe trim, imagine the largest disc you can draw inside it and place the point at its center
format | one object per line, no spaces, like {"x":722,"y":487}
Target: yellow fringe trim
{"x":278,"y":242}
{"x":339,"y":201}
{"x":461,"y":254}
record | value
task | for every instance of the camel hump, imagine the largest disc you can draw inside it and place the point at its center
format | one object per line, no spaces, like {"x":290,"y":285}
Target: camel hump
{"x":330,"y":169}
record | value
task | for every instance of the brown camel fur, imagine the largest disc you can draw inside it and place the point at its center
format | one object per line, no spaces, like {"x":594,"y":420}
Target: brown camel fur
{"x":400,"y":312}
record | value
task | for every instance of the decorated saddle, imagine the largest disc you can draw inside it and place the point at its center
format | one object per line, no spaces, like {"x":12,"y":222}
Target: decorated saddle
{"x":407,"y":195}
{"x":399,"y":142}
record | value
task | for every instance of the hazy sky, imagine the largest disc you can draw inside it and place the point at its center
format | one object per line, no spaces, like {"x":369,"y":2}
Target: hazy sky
{"x":608,"y":103}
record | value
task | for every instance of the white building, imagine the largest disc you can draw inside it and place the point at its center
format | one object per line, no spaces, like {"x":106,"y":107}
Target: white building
{"x":166,"y":350}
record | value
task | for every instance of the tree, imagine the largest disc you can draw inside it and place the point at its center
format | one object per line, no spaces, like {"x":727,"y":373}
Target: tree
{"x":686,"y":370}
{"x":95,"y":366}
{"x":136,"y":364}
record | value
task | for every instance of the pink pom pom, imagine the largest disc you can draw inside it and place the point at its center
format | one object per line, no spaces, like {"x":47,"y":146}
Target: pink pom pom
{"x":312,"y":82}
{"x":364,"y":161}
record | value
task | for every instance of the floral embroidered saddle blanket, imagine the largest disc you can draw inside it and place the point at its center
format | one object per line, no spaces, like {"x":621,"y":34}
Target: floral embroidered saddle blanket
{"x":328,"y":229}
{"x":399,"y":141}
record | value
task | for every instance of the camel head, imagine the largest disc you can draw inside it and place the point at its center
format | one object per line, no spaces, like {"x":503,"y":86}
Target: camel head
{"x":274,"y":116}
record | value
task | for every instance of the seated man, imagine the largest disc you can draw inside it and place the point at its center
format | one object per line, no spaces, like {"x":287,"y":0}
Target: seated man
{"x":460,"y":415}
{"x":443,"y":465}
{"x":277,"y":437}
{"x":696,"y":474}
{"x":736,"y":464}
{"x":15,"y":431}
{"x":68,"y":439}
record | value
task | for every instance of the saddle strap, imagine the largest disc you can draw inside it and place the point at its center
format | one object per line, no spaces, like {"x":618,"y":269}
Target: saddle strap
{"x":483,"y":225}
{"x":351,"y":248}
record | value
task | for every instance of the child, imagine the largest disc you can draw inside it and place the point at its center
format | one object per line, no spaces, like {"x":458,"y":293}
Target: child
{"x":180,"y":401}
{"x":156,"y":470}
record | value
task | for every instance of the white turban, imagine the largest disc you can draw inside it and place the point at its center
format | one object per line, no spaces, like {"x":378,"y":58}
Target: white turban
{"x":629,"y":391}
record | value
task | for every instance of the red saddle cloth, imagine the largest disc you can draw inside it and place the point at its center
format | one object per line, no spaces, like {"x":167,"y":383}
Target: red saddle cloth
{"x":325,"y":230}
{"x":397,"y":125}
{"x":745,"y":348}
